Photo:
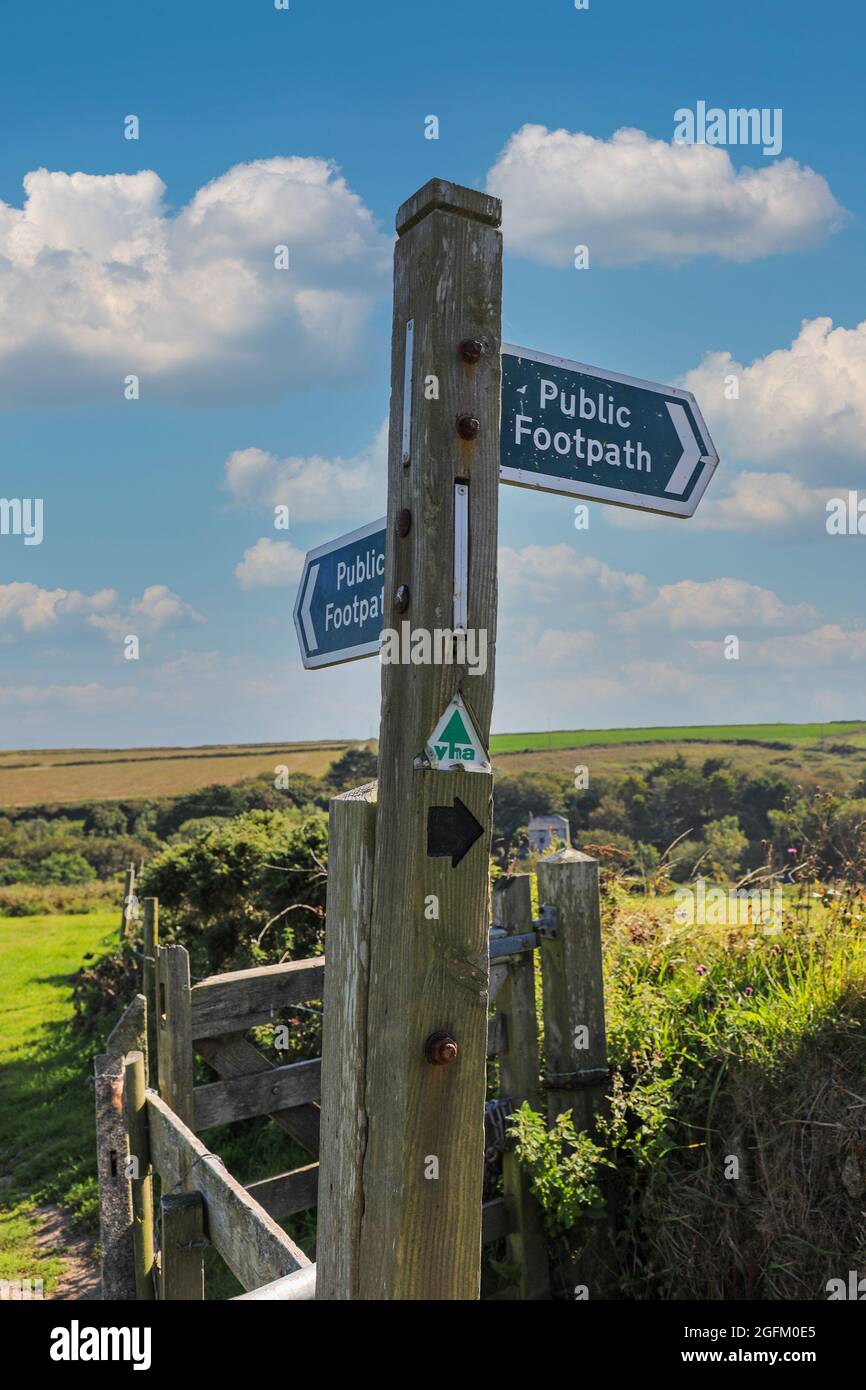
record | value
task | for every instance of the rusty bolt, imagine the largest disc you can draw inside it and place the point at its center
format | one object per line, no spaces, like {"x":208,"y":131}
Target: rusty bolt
{"x":468,"y":427}
{"x":404,"y":522}
{"x":440,"y":1049}
{"x":471,"y":350}
{"x":401,"y":598}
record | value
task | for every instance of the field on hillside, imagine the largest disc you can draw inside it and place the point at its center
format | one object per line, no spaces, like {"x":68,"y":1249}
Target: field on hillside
{"x":101,"y":774}
{"x":812,"y":765}
{"x":847,"y":731}
{"x":822,"y":754}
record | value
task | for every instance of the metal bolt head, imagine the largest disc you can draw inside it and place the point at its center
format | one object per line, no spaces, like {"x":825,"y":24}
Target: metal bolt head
{"x":401,"y":598}
{"x":440,"y":1049}
{"x":471,"y":350}
{"x":404,"y":522}
{"x":468,"y":427}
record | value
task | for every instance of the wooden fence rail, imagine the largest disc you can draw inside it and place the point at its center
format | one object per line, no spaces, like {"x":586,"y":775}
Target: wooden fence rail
{"x":142,"y":1131}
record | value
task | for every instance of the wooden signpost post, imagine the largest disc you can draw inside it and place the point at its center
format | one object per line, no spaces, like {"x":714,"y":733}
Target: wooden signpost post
{"x":406,"y":984}
{"x":417,"y":1177}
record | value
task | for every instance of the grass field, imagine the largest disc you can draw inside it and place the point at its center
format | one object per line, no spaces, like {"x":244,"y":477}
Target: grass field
{"x":46,"y":1101}
{"x":848,"y":731}
{"x":94,"y":774}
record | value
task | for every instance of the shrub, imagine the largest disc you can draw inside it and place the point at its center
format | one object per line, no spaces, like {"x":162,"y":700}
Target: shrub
{"x":62,"y":866}
{"x":352,"y":769}
{"x":32,"y":900}
{"x":247,"y":892}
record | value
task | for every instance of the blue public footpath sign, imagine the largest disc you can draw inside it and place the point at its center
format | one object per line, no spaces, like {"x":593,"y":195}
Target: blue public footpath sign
{"x":338,"y":611}
{"x":596,"y":434}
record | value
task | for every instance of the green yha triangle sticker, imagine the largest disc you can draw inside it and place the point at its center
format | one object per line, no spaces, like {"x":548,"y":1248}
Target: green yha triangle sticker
{"x":454,"y":742}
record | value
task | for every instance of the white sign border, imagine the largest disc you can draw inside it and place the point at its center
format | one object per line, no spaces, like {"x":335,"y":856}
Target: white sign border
{"x":595,"y":492}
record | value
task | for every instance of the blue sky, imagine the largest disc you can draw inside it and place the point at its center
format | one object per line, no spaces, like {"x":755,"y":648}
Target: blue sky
{"x":146,"y":519}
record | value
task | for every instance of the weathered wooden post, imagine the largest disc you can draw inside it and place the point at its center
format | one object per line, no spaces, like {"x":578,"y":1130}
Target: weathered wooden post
{"x":116,"y":1218}
{"x":135,"y":1113}
{"x":115,"y":1196}
{"x":127,"y":911}
{"x":418,"y":1235}
{"x":148,"y":971}
{"x":174,"y":1032}
{"x":351,"y":841}
{"x":518,"y":1072}
{"x":575,"y":1042}
{"x":182,"y":1245}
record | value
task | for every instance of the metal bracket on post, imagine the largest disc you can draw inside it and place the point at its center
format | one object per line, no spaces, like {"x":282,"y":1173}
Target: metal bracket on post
{"x":547,"y":922}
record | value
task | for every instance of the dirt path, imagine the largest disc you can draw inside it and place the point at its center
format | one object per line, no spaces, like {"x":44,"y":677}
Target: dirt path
{"x":80,"y":1280}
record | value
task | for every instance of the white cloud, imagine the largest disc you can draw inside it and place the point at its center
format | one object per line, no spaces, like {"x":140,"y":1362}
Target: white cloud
{"x":548,"y":574}
{"x":269,"y":564}
{"x":98,"y":281}
{"x":691,"y":604}
{"x":90,"y":698}
{"x":157,"y":609}
{"x":764,"y":502}
{"x":804,"y":402}
{"x":632,"y":199}
{"x":33,"y":608}
{"x":757,"y":502}
{"x":314,"y":488}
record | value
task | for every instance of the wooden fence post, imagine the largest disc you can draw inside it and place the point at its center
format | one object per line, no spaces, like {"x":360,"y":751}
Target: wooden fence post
{"x":575,"y":1042}
{"x":174,"y":1032}
{"x":343,"y":1136}
{"x":127,"y":911}
{"x":115,"y":1198}
{"x":420,"y":1229}
{"x":135,"y":1113}
{"x":518,"y":1072}
{"x":182,"y":1245}
{"x":148,"y":972}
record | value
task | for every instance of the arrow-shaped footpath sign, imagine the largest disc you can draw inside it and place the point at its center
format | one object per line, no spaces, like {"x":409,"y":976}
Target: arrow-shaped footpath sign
{"x":565,"y":428}
{"x":596,"y":434}
{"x":451,"y":831}
{"x":340,"y":602}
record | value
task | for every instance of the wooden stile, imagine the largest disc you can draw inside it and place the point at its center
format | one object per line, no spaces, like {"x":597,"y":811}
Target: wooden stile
{"x":249,"y":1240}
{"x":234,"y":1056}
{"x":222,"y":1102}
{"x":244,"y":999}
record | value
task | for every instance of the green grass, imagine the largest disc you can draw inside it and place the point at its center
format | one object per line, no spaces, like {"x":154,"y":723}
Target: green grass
{"x":747,"y":1041}
{"x":848,"y":731}
{"x":46,"y":1101}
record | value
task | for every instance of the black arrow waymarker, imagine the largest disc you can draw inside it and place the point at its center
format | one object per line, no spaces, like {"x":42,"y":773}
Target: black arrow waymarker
{"x":451,"y":830}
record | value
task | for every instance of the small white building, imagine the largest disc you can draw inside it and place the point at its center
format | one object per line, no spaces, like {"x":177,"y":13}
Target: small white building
{"x":545,"y":831}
